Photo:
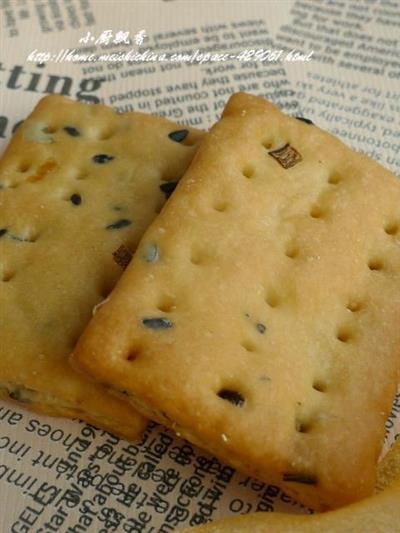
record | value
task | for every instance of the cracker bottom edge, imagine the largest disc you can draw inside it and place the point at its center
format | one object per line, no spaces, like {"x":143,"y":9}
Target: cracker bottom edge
{"x":38,"y":402}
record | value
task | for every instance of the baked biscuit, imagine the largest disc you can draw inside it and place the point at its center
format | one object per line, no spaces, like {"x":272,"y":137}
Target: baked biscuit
{"x":266,"y":327}
{"x":77,"y":182}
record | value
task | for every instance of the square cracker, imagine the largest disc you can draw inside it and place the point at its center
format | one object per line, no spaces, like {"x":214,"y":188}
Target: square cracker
{"x":77,"y":182}
{"x":268,"y":329}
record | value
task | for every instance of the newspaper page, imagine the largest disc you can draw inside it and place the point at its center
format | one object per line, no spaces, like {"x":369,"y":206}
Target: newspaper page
{"x":335,"y":62}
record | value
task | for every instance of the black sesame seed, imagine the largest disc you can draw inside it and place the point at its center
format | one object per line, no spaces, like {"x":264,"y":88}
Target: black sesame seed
{"x":178,"y":136}
{"x":151,"y":253}
{"x":3,"y":231}
{"x":102,"y":158}
{"x":168,"y":188}
{"x":232,"y":397}
{"x":261,"y":328}
{"x":15,"y":395}
{"x":306,"y":479}
{"x":18,"y":238}
{"x":306,"y":120}
{"x":76,"y":199}
{"x":122,"y":223}
{"x":18,"y":396}
{"x":157,"y":323}
{"x":72,"y":131}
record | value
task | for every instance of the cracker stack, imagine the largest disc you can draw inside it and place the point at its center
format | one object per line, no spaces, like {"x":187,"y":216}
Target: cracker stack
{"x":259,"y":315}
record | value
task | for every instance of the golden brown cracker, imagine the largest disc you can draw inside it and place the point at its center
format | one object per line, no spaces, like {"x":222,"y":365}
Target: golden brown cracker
{"x":266,"y":329}
{"x":77,"y":182}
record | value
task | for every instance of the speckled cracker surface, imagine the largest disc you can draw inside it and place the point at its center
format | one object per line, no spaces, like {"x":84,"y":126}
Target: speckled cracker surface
{"x":266,"y":329}
{"x":77,"y":182}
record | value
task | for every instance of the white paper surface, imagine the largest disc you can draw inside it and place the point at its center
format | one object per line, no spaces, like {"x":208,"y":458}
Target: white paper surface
{"x":61,"y":475}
